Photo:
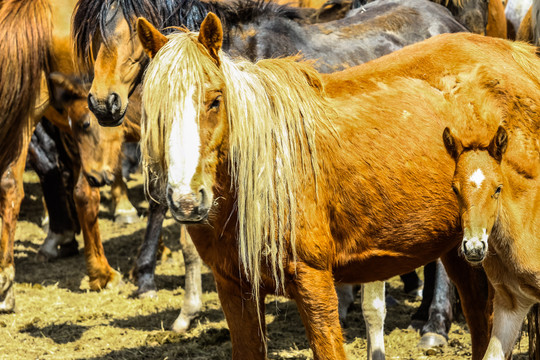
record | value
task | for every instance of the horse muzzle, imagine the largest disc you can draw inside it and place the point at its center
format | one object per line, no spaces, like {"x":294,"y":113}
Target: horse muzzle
{"x":474,"y":249}
{"x":110,"y":112}
{"x":187,"y":208}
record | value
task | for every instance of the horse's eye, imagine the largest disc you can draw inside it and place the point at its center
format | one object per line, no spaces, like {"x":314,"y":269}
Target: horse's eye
{"x":455,"y":190}
{"x":86,"y":125}
{"x":497,"y":192}
{"x":215,"y":104}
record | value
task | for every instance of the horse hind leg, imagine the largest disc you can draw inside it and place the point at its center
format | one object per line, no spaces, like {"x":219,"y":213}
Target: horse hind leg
{"x":124,"y":211}
{"x":345,"y":295}
{"x":374,"y":312}
{"x":441,"y":294}
{"x":193,"y":285}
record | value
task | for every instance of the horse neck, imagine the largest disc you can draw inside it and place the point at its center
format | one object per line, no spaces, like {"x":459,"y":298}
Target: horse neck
{"x":516,"y":227}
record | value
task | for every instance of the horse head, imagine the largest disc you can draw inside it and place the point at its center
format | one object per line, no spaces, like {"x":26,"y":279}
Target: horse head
{"x":119,"y":64}
{"x":478,"y":185}
{"x":99,"y":148}
{"x":193,"y":132}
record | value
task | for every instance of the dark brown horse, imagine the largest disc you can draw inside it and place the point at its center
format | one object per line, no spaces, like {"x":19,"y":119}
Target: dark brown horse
{"x":340,"y":191}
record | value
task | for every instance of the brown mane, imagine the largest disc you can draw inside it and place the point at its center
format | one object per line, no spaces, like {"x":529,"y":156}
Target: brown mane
{"x":25,"y":40}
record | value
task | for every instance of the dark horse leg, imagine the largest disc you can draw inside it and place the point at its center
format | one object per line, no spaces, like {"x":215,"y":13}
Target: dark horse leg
{"x":412,"y":283}
{"x":476,"y":297}
{"x":146,"y":266}
{"x":51,"y":164}
{"x":435,"y":312}
{"x":146,"y":260}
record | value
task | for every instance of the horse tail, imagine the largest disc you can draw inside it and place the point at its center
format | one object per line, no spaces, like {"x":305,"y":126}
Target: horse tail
{"x":25,"y":41}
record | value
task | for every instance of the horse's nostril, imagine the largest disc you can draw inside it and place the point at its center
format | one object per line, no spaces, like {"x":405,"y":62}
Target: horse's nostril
{"x":93,"y":181}
{"x":202,"y":193}
{"x":92,"y":103}
{"x":114,"y":103}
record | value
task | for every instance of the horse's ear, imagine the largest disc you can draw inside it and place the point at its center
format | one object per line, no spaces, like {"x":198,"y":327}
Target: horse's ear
{"x":151,"y":39}
{"x":64,"y":89}
{"x":211,"y":35}
{"x":498,"y":144}
{"x":452,"y":145}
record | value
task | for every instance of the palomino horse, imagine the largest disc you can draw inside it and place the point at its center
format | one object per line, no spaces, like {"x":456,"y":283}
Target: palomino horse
{"x":401,"y":22}
{"x":290,"y":179}
{"x":529,"y":29}
{"x":34,"y":36}
{"x":497,"y":184}
{"x":90,"y":139}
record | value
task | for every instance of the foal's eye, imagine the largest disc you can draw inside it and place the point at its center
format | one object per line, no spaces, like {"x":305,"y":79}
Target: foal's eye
{"x":215,"y":104}
{"x":455,"y":190}
{"x":86,"y":125}
{"x":497,"y":192}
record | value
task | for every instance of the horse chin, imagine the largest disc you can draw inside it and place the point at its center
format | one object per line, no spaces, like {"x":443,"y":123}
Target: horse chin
{"x":190,"y":219}
{"x":111,"y":120}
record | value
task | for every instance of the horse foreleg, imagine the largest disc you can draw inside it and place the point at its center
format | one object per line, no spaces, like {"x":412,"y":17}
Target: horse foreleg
{"x":193,"y":286}
{"x":248,"y":337}
{"x":476,"y":297}
{"x":12,"y":194}
{"x":435,"y":330}
{"x":87,"y":202}
{"x":507,"y":320}
{"x":374,"y":312}
{"x":45,"y":160}
{"x":314,"y":293}
{"x":124,"y":211}
{"x":146,"y":259}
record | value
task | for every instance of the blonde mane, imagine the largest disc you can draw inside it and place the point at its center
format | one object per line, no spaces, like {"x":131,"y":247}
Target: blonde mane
{"x":274,"y":109}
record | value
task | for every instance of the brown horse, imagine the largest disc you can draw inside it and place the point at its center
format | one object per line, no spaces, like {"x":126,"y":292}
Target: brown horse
{"x":497,"y":184}
{"x":35,"y":41}
{"x":289,"y":179}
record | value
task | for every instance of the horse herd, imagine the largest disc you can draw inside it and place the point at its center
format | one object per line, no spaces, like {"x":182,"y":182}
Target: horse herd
{"x":300,"y":149}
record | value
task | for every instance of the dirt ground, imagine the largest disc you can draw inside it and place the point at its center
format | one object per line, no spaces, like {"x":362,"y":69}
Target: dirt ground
{"x":59,"y":318}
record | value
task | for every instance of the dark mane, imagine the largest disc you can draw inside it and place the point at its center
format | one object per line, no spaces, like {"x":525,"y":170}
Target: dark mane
{"x":90,"y":16}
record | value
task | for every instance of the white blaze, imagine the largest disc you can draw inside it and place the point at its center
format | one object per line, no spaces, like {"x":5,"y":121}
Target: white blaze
{"x":477,"y":178}
{"x":184,"y":145}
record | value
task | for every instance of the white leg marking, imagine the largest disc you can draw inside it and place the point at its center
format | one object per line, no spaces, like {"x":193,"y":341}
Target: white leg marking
{"x":506,"y":326}
{"x":184,"y":146}
{"x":374,"y":311}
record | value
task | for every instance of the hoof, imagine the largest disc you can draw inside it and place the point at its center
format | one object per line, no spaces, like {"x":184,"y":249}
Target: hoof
{"x":152,"y":294}
{"x":126,"y":217}
{"x":432,"y":341}
{"x":7,"y":292}
{"x":115,"y":281}
{"x":181,"y":324}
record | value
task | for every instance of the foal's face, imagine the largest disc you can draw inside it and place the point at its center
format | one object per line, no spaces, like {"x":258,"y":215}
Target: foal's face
{"x":196,"y":147}
{"x":478,"y":185}
{"x":119,"y":64}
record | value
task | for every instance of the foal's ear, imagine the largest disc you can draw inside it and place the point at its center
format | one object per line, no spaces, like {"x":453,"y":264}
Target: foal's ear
{"x":151,"y":39}
{"x":452,"y":145}
{"x":498,"y":144}
{"x":211,"y":35}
